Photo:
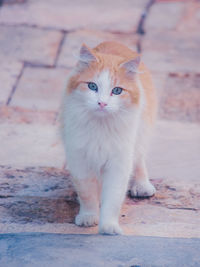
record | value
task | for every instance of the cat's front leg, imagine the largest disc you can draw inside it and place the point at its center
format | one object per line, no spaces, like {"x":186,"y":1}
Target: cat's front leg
{"x":87,"y":190}
{"x":114,"y":187}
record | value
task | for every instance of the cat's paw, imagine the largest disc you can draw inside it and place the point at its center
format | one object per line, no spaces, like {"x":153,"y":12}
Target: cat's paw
{"x":142,"y":189}
{"x":86,"y":219}
{"x":111,"y":228}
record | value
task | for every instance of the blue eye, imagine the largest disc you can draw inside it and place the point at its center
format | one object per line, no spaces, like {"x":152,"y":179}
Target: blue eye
{"x":92,"y":86}
{"x":117,"y":90}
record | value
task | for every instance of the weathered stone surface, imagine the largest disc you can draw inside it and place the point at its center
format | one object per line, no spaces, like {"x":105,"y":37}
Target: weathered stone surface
{"x":25,"y":145}
{"x":180,"y":98}
{"x":167,"y":51}
{"x":73,"y":41}
{"x":174,"y":152}
{"x":70,"y":15}
{"x":29,"y":44}
{"x":43,"y":182}
{"x":190,"y":19}
{"x":69,"y":250}
{"x":36,"y":195}
{"x":159,"y":80}
{"x":40,"y":89}
{"x":43,"y":196}
{"x":9,"y":71}
{"x":21,"y":115}
{"x":164,"y":16}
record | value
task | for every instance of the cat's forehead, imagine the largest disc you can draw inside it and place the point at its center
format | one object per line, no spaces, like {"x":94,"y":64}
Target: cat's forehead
{"x":103,"y":78}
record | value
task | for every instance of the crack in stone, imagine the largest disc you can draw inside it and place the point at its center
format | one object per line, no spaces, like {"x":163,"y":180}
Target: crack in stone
{"x":15,"y":85}
{"x":181,"y":208}
{"x":140,"y":28}
{"x":60,"y":46}
{"x":39,"y":27}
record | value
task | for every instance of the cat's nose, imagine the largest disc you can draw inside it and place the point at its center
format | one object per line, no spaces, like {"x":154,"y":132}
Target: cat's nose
{"x":102,"y":104}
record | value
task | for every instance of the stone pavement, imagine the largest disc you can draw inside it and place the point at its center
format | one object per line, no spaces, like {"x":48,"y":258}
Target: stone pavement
{"x":39,"y":250}
{"x":39,"y":41}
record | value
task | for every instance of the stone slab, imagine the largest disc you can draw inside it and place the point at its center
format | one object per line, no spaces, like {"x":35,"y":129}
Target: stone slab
{"x":190,"y":19}
{"x":26,"y":116}
{"x":164,"y":16}
{"x":9,"y":72}
{"x":32,"y":45}
{"x":170,"y":51}
{"x":71,"y":15}
{"x":174,"y":152}
{"x":180,"y":97}
{"x":24,"y":145}
{"x":40,"y":89}
{"x":73,"y":41}
{"x":69,"y":250}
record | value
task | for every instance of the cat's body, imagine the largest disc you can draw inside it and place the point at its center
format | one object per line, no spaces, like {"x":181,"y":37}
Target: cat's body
{"x":106,"y":131}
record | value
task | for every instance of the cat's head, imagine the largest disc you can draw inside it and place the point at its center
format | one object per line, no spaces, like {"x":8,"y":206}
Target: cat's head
{"x":105,"y":83}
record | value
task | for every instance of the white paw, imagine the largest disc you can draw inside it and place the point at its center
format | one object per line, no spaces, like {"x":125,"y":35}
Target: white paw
{"x":110,"y":228}
{"x":86,"y":219}
{"x":142,"y":189}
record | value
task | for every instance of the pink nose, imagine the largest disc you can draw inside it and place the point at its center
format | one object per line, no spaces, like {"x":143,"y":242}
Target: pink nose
{"x":102,"y":104}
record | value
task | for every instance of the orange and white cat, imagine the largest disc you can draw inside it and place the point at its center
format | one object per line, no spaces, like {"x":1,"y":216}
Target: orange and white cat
{"x":109,"y":109}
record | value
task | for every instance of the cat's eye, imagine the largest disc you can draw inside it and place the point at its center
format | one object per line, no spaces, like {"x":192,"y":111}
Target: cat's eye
{"x":117,"y":90}
{"x":92,"y":86}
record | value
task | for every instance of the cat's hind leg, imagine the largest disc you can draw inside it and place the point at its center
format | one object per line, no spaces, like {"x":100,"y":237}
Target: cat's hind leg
{"x":140,"y":185}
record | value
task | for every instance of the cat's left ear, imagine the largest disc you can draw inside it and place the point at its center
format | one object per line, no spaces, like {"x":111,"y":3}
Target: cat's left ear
{"x":132,"y":65}
{"x":86,"y":55}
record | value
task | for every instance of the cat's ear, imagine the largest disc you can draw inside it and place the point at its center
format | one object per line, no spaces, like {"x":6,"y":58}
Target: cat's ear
{"x":132,"y":65}
{"x":86,"y":56}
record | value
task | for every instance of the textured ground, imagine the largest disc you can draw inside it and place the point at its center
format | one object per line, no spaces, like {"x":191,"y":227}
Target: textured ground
{"x":38,"y":43}
{"x":41,"y":250}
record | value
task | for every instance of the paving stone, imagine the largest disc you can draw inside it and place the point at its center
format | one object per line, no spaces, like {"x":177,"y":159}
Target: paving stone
{"x":73,"y":41}
{"x":40,"y":89}
{"x":24,"y":145}
{"x":36,"y":195}
{"x":181,"y":98}
{"x":37,"y":249}
{"x":29,"y":44}
{"x":9,"y":71}
{"x":150,"y":220}
{"x":190,"y":19}
{"x":159,"y":80}
{"x":43,"y":182}
{"x":70,"y":15}
{"x":77,"y":14}
{"x":167,"y":51}
{"x":174,"y":152}
{"x":26,"y":116}
{"x":48,"y":203}
{"x":164,"y":16}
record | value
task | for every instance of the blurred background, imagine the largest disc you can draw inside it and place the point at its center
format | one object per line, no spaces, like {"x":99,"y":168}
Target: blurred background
{"x":39,"y":42}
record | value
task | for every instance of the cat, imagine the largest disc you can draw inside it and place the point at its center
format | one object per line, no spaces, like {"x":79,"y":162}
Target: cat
{"x":108,"y":113}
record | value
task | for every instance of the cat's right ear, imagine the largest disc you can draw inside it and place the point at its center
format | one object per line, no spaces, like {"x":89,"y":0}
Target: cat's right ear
{"x":86,"y":57}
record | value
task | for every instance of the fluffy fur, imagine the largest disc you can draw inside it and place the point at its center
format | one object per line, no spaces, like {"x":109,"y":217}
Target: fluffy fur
{"x":106,"y":144}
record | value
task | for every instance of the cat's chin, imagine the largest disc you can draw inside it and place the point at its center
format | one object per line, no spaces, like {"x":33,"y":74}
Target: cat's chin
{"x":101,"y":112}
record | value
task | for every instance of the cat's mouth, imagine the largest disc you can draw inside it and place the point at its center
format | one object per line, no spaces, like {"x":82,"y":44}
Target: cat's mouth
{"x":101,"y":111}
